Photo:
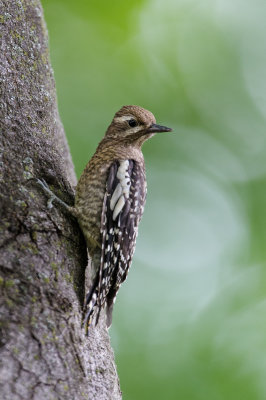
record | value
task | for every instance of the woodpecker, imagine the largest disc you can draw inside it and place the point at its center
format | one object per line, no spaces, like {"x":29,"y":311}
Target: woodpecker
{"x":109,"y":203}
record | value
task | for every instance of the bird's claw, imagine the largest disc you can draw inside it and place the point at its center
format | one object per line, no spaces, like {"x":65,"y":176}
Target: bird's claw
{"x":50,"y":202}
{"x":42,"y":183}
{"x":47,"y":190}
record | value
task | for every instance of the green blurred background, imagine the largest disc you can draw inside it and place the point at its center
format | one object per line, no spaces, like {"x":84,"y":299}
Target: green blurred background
{"x":190,"y":322}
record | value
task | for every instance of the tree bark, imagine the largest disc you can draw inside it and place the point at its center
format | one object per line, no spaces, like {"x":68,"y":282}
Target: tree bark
{"x":44,"y":351}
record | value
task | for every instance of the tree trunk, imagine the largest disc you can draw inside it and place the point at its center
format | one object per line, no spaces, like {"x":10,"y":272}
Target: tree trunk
{"x":44,"y":351}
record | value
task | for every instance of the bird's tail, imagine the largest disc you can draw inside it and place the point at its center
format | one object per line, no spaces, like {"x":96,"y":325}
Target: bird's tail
{"x":110,"y":305}
{"x":90,"y":305}
{"x":93,"y":307}
{"x":109,"y":314}
{"x":93,"y":304}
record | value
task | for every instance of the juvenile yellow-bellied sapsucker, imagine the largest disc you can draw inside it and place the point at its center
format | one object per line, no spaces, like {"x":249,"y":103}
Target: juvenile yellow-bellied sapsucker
{"x":109,"y":203}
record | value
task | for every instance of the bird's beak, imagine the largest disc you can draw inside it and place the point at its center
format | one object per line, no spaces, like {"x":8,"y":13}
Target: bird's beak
{"x":158,"y":128}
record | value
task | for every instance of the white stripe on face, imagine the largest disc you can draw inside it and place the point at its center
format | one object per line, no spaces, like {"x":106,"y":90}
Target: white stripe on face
{"x":123,"y":118}
{"x":126,"y":118}
{"x":135,"y":129}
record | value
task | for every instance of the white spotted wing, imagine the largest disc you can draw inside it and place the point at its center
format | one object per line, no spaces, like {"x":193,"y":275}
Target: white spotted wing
{"x":122,"y":210}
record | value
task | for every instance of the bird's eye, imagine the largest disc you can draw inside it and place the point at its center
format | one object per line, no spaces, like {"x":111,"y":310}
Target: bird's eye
{"x":132,"y":122}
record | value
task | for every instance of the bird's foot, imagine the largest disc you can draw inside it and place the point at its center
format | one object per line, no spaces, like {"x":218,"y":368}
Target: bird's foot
{"x":52,"y":197}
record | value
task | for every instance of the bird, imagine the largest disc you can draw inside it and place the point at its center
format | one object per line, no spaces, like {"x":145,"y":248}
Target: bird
{"x":109,"y":203}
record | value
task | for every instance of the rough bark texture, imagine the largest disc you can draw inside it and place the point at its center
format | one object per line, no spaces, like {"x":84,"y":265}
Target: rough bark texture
{"x":44,"y":353}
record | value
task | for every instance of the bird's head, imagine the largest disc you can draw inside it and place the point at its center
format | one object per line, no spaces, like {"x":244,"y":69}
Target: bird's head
{"x":134,"y":125}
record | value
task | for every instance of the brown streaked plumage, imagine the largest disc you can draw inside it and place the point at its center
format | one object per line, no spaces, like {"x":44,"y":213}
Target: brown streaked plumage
{"x":109,"y":202}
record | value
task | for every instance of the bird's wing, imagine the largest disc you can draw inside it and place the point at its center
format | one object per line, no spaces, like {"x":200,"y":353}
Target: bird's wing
{"x":122,"y":210}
